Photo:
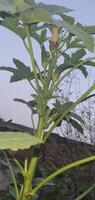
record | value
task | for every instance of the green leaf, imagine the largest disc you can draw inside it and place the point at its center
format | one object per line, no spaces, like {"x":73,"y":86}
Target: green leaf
{"x":66,"y":58}
{"x":69,"y":19}
{"x":37,"y":15}
{"x":90,"y":29}
{"x":40,"y":14}
{"x":62,"y":107}
{"x":41,"y":38}
{"x":73,"y":105}
{"x":17,"y":140}
{"x":76,"y":43}
{"x":72,"y":118}
{"x":79,"y":32}
{"x":22,"y":71}
{"x":22,"y":5}
{"x":8,"y":6}
{"x":12,"y":23}
{"x":70,"y":62}
{"x":30,"y":2}
{"x":77,"y":117}
{"x":90,"y":63}
{"x":14,"y":6}
{"x":76,"y":125}
{"x":75,"y":57}
{"x":84,"y":71}
{"x":56,"y":74}
{"x":44,"y":56}
{"x":54,"y":9}
{"x":43,"y":13}
{"x":61,"y":68}
{"x":31,"y":104}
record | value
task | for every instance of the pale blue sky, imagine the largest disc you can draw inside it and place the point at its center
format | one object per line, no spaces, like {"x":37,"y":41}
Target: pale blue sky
{"x":11,"y":46}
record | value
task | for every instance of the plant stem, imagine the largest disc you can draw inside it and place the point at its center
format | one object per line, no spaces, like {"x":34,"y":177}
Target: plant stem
{"x":69,"y":109}
{"x":69,"y":71}
{"x":28,"y":179}
{"x":33,"y":86}
{"x":59,"y":171}
{"x":32,"y":122}
{"x":13,"y":176}
{"x":29,"y":175}
{"x":30,"y":51}
{"x":40,"y":131}
{"x":86,"y":192}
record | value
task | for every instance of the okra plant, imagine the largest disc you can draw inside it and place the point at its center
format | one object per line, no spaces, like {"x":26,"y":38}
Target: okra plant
{"x":60,"y":40}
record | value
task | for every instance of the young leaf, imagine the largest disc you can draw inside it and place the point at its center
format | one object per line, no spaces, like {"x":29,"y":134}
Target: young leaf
{"x":22,"y":71}
{"x":54,"y":9}
{"x":37,"y":15}
{"x":76,"y":117}
{"x":17,"y":140}
{"x":43,"y":13}
{"x":56,"y":74}
{"x":41,"y":38}
{"x":31,"y":104}
{"x":79,"y":32}
{"x":14,"y":6}
{"x":90,"y":29}
{"x":7,"y":6}
{"x":84,"y":71}
{"x":30,"y":2}
{"x":72,"y":118}
{"x":69,"y":19}
{"x":45,"y":56}
{"x":62,"y":108}
{"x":76,"y":125}
{"x":76,"y":43}
{"x":90,"y":63}
{"x":12,"y":24}
{"x":75,"y":57}
{"x":61,"y":68}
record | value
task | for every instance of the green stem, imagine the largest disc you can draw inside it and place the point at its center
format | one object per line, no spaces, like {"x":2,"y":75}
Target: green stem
{"x":45,"y":80}
{"x":29,"y":175}
{"x":28,"y":179}
{"x":13,"y":176}
{"x":69,"y":71}
{"x":33,"y":86}
{"x":69,"y":109}
{"x":32,"y":122}
{"x":86,"y":192}
{"x":30,"y":51}
{"x":19,"y":166}
{"x":40,"y":74}
{"x":40,"y":131}
{"x":63,"y":169}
